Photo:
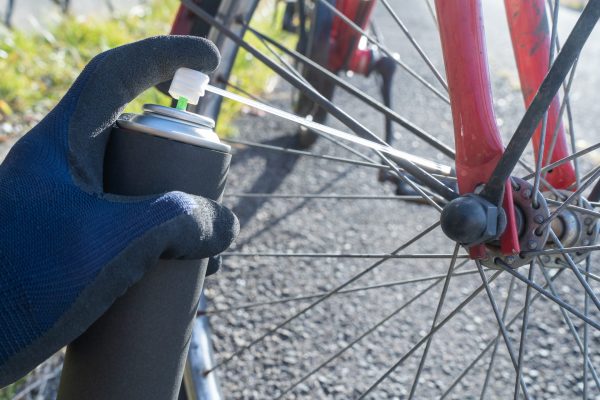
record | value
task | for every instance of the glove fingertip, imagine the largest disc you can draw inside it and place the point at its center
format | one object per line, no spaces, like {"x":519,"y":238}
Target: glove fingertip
{"x":220,"y":226}
{"x":198,"y":228}
{"x":214,"y":264}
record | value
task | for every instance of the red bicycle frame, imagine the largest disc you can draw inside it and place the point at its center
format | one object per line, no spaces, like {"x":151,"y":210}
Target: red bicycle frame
{"x":477,"y":139}
{"x":531,"y":43}
{"x":344,"y":53}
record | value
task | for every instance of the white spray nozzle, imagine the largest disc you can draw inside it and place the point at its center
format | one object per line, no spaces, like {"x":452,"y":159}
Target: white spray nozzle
{"x":189,"y":84}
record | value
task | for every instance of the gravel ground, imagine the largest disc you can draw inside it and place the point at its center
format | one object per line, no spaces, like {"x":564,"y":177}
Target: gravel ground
{"x":552,"y":368}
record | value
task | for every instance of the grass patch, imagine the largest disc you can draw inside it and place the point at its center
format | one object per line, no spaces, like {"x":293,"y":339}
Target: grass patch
{"x":11,"y":390}
{"x":38,"y":67}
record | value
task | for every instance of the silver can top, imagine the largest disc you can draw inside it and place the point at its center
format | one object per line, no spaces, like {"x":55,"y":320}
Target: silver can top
{"x":174,"y":124}
{"x":195,"y":119}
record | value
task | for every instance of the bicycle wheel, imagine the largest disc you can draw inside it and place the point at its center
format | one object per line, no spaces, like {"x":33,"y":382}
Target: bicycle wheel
{"x":336,"y":288}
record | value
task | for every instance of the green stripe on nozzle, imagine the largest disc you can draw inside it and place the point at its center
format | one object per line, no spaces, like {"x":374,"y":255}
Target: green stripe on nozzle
{"x":182,"y":103}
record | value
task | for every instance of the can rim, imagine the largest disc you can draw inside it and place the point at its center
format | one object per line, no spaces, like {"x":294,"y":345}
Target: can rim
{"x":171,"y":131}
{"x":195,"y":119}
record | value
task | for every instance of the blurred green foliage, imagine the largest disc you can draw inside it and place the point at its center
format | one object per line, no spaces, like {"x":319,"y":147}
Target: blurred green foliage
{"x":38,"y":67}
{"x":10,"y":391}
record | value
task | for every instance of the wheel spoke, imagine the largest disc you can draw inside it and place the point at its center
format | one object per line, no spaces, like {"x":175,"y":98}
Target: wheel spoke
{"x":455,"y":311}
{"x":586,"y":177}
{"x":323,"y":196}
{"x":572,"y":197}
{"x":561,"y":111}
{"x":305,"y":153}
{"x":562,"y":161}
{"x":435,"y":319}
{"x":319,"y":156}
{"x":353,"y":90}
{"x":358,"y":338}
{"x":567,"y":101}
{"x":547,"y":294}
{"x":523,"y":339}
{"x":542,"y":141}
{"x":574,"y":268}
{"x":539,"y":159}
{"x":384,"y":50}
{"x":492,"y":342}
{"x":564,"y":250}
{"x":503,"y":328}
{"x":341,"y":255}
{"x":586,"y":351}
{"x":573,"y":141}
{"x":578,"y":209}
{"x":282,"y":61}
{"x":280,"y":325}
{"x":446,"y":192}
{"x":490,"y":368}
{"x":238,"y":89}
{"x":412,"y":41}
{"x":494,"y":189}
{"x":321,"y":294}
{"x":431,"y":12}
{"x":571,"y":326}
{"x":428,"y":197}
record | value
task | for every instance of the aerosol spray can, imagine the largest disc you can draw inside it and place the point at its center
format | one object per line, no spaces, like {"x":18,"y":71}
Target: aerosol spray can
{"x":138,"y":348}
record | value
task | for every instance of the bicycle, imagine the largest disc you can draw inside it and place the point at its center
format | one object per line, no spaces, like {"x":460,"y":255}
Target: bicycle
{"x":508,"y":219}
{"x":559,"y":176}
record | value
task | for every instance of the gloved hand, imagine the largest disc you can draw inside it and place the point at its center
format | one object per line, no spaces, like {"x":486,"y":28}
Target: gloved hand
{"x":68,"y":250}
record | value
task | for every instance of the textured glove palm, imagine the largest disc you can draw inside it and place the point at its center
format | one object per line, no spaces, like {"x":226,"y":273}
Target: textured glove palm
{"x":68,"y":250}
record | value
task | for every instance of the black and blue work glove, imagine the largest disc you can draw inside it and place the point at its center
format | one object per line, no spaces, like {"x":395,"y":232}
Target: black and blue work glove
{"x":67,"y":249}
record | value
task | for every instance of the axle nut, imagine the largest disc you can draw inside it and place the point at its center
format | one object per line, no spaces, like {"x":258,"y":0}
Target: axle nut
{"x":470,"y":220}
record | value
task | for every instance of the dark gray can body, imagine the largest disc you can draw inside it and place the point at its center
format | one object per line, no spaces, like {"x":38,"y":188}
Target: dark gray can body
{"x":138,"y":348}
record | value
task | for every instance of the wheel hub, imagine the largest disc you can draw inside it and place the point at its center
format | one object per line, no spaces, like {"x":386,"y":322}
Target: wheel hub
{"x":472,"y":220}
{"x":572,"y":228}
{"x":530,"y":217}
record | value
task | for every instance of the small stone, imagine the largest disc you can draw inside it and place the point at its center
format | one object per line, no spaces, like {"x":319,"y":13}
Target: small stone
{"x":533,"y":373}
{"x":543,"y":353}
{"x":290,"y":360}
